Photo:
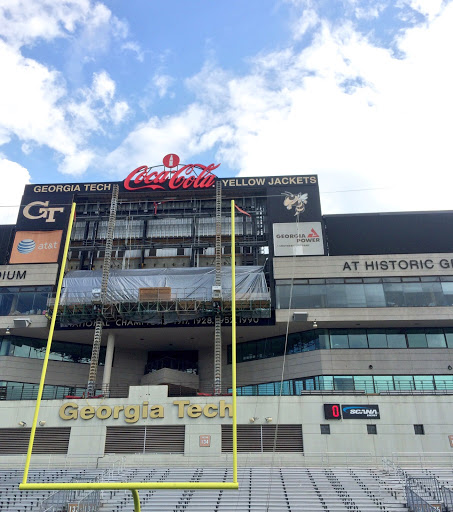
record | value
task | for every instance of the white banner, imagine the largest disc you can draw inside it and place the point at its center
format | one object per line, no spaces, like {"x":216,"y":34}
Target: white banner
{"x":298,"y":239}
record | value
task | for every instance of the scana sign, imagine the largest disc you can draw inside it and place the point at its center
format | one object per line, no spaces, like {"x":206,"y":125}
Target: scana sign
{"x":196,"y":176}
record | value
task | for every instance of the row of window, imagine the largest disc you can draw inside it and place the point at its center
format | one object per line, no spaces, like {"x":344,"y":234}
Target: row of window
{"x":368,"y":384}
{"x":162,"y":228}
{"x":34,"y":348}
{"x":364,"y":295}
{"x":324,"y":339}
{"x":10,"y":390}
{"x":16,"y":300}
{"x":419,"y":430}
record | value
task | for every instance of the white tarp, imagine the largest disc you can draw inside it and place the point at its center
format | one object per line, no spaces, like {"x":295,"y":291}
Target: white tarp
{"x":185,"y":283}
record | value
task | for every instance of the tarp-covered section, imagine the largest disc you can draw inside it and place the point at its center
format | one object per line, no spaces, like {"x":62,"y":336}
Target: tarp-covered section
{"x":82,"y":286}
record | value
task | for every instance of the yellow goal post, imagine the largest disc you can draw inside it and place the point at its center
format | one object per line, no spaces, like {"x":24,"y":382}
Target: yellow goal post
{"x":134,"y":487}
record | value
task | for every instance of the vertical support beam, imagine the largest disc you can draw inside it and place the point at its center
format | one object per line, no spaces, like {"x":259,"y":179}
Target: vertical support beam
{"x":233,"y":343}
{"x":108,"y":364}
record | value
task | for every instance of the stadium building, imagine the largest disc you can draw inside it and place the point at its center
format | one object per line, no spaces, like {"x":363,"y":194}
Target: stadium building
{"x":345,"y":322}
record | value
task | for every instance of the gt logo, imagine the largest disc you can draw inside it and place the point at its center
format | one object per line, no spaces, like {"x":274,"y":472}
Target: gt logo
{"x":43,"y":213}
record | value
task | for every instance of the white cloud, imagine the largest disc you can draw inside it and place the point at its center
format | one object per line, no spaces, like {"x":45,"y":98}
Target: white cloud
{"x":14,"y":178}
{"x":36,"y":105}
{"x":162,"y":83}
{"x":342,"y":108}
{"x":135,"y":48}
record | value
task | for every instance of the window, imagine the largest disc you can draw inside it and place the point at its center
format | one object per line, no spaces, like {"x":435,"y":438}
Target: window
{"x":419,"y":430}
{"x":371,"y":429}
{"x":325,"y":429}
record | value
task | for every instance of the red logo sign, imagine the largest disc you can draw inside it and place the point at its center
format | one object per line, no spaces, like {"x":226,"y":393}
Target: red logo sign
{"x":171,"y":160}
{"x":166,"y":179}
{"x":313,"y":234}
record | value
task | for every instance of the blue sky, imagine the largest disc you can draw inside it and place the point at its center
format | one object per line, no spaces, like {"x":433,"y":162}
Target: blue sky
{"x":356,"y":91}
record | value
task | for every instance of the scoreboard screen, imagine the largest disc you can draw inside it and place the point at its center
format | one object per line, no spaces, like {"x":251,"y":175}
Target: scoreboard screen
{"x":332,"y":412}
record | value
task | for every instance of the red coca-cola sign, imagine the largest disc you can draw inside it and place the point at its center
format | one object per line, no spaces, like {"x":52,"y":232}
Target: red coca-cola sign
{"x":158,"y":178}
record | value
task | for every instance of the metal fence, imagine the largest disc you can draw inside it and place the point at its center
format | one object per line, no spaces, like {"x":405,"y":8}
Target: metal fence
{"x":447,"y":496}
{"x":417,"y":503}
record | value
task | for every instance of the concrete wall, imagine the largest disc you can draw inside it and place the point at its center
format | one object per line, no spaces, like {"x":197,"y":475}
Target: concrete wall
{"x":364,"y":266}
{"x":395,"y":428}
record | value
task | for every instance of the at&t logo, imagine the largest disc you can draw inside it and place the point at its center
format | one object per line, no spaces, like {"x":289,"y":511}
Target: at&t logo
{"x":26,"y":246}
{"x":32,"y":211}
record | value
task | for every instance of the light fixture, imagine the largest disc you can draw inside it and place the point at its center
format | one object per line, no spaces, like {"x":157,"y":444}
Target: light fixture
{"x":370,"y":366}
{"x":42,"y":423}
{"x":7,"y":332}
{"x":253,"y":419}
{"x":22,"y":322}
{"x":268,"y":419}
{"x":449,"y":366}
{"x":22,"y":423}
{"x":315,"y":324}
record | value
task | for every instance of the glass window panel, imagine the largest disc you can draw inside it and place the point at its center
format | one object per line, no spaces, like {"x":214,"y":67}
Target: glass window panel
{"x":449,"y":337}
{"x":301,"y":297}
{"x":396,"y":338}
{"x":309,"y":384}
{"x":299,"y":386}
{"x":383,"y":383}
{"x":86,"y":353}
{"x":404,"y":382}
{"x":394,"y":294}
{"x":358,"y":339}
{"x":325,"y":382}
{"x":374,"y":295}
{"x":282,"y":292}
{"x":14,"y":390}
{"x":435,"y":338}
{"x":364,"y":383}
{"x":20,"y":349}
{"x":323,"y":339}
{"x":267,"y":389}
{"x":335,"y":281}
{"x":339,"y":338}
{"x":424,"y":382}
{"x":336,"y":296}
{"x":318,"y":296}
{"x":285,"y":386}
{"x":377,"y":338}
{"x":5,"y":346}
{"x":343,"y":383}
{"x":355,"y":296}
{"x":433,"y":294}
{"x":413,"y":295}
{"x":416,"y":338}
{"x":249,"y":351}
{"x":444,"y":382}
{"x":447,"y":289}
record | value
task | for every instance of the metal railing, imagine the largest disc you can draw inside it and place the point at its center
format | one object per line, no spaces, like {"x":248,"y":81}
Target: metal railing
{"x":447,"y":498}
{"x":427,"y":487}
{"x":416,"y":503}
{"x":83,"y":501}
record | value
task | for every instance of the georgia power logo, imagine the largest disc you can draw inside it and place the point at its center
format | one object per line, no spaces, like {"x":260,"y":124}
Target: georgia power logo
{"x":296,"y":201}
{"x":26,"y":246}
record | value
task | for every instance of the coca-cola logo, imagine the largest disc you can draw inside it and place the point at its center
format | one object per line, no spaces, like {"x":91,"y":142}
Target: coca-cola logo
{"x":185,"y":177}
